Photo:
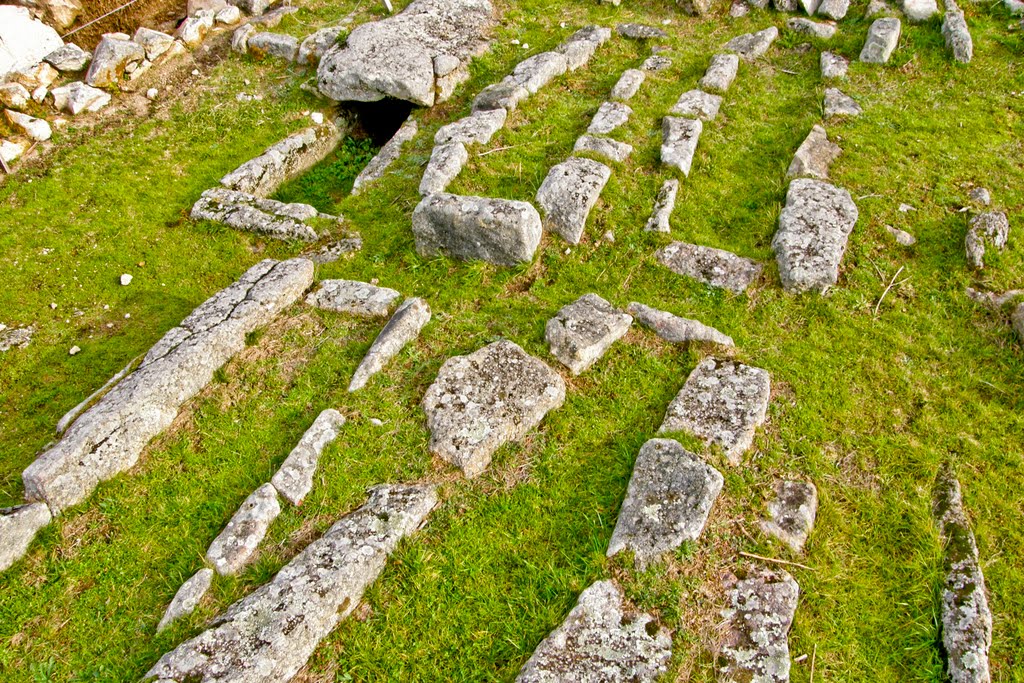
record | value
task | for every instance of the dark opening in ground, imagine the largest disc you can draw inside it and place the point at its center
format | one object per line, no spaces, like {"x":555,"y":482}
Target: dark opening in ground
{"x":379,"y":120}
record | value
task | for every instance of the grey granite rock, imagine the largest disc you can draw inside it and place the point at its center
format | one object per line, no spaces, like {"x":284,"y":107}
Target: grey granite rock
{"x":656,"y":63}
{"x":750,"y":46}
{"x":537,"y":71}
{"x":253,"y":7}
{"x":314,"y":46}
{"x":814,"y":29}
{"x":833,"y":65}
{"x":980,"y":196}
{"x":697,"y":104}
{"x":240,"y":38}
{"x":475,"y":129}
{"x":599,"y":643}
{"x":446,"y":162}
{"x":284,"y":160}
{"x":110,"y":60}
{"x":679,"y":142}
{"x":956,"y":33}
{"x":667,"y":502}
{"x":628,"y":84}
{"x":883,"y":36}
{"x":815,"y":155}
{"x":484,"y":400}
{"x":387,"y":155}
{"x":723,"y":402}
{"x":568,"y":193}
{"x":721,"y":72}
{"x":833,"y":9}
{"x":696,"y":8}
{"x":270,"y":634}
{"x":506,"y":94}
{"x":613,"y":150}
{"x":838,"y":103}
{"x":267,"y":19}
{"x":714,"y":267}
{"x":791,"y":513}
{"x":920,"y":10}
{"x":901,"y":236}
{"x":640,"y":31}
{"x":1017,"y":320}
{"x":756,"y":645}
{"x":193,"y":30}
{"x":674,"y":329}
{"x":274,"y":45}
{"x":814,"y":227}
{"x":609,"y":116}
{"x":15,"y":338}
{"x":403,"y":327}
{"x":985,"y":229}
{"x":786,"y":5}
{"x":267,"y":217}
{"x":187,"y":598}
{"x":501,"y":231}
{"x":663,"y":206}
{"x":581,"y":332}
{"x":68,"y":57}
{"x":294,"y":479}
{"x":18,"y":526}
{"x":353,"y":297}
{"x":581,"y":45}
{"x":236,"y":545}
{"x":109,"y":437}
{"x":155,"y":43}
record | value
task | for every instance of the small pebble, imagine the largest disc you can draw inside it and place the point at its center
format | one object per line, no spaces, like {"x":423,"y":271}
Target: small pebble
{"x":74,"y":350}
{"x":127,"y":315}
{"x":609,"y":236}
{"x":195,"y":72}
{"x":126,"y":280}
{"x":904,"y":208}
{"x":152,"y":94}
{"x":317,"y":117}
{"x":376,"y":423}
{"x":53,"y":307}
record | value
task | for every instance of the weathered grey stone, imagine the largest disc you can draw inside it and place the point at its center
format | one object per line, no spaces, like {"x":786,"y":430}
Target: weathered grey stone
{"x":697,"y":8}
{"x":679,"y":142}
{"x":315,"y":46}
{"x":980,"y":196}
{"x":581,"y":332}
{"x":613,"y":150}
{"x":920,"y":10}
{"x":674,"y":329}
{"x":294,"y":479}
{"x":387,"y":155}
{"x":599,"y":643}
{"x":270,"y":634}
{"x":966,"y":617}
{"x":878,"y":8}
{"x":991,"y":228}
{"x":475,"y":129}
{"x":714,"y":267}
{"x":110,"y":59}
{"x":833,"y":66}
{"x":581,"y":45}
{"x":353,"y":297}
{"x":902,"y":236}
{"x":663,"y":206}
{"x":484,"y":400}
{"x":155,"y":43}
{"x":235,"y":546}
{"x":667,"y":503}
{"x":697,"y":104}
{"x":838,"y":103}
{"x":60,"y":14}
{"x":656,"y":63}
{"x":268,"y":217}
{"x":394,"y":57}
{"x":68,"y":58}
{"x":833,"y":9}
{"x":791,"y":514}
{"x":739,"y":8}
{"x":721,"y":73}
{"x":883,"y":36}
{"x":273,"y":17}
{"x":41,"y":75}
{"x":723,"y":402}
{"x":506,"y":94}
{"x":640,"y":31}
{"x":193,"y":30}
{"x":609,"y":116}
{"x":187,"y":598}
{"x":284,"y":160}
{"x":252,"y":7}
{"x":569,"y":192}
{"x":274,"y":45}
{"x":761,"y":609}
{"x":750,"y":46}
{"x":196,"y":6}
{"x":786,"y":5}
{"x":35,"y":129}
{"x":14,"y":95}
{"x":501,"y":231}
{"x":814,"y":227}
{"x":109,"y":437}
{"x":16,"y":338}
{"x":1017,"y":320}
{"x":628,"y":84}
{"x":18,"y":526}
{"x":956,"y":33}
{"x":24,"y":41}
{"x":329,"y":253}
{"x":228,"y":16}
{"x":993,"y":300}
{"x":809,"y":6}
{"x":537,"y":71}
{"x":403,"y":327}
{"x":446,"y":162}
{"x":810,"y":28}
{"x":240,"y":38}
{"x":815,"y":155}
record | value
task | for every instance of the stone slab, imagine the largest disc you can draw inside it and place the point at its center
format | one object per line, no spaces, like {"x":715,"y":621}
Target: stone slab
{"x":609,"y":116}
{"x":500,"y":231}
{"x":762,"y":605}
{"x":628,"y":84}
{"x":679,"y":142}
{"x":294,"y":479}
{"x":815,"y":155}
{"x":989,"y":229}
{"x":187,"y":598}
{"x":697,"y":104}
{"x":284,"y":160}
{"x":235,"y":546}
{"x":581,"y":332}
{"x":721,"y":72}
{"x":403,"y":327}
{"x":883,"y":36}
{"x":353,"y":297}
{"x":475,"y":129}
{"x":387,"y":155}
{"x":568,"y":193}
{"x":750,"y":46}
{"x":446,"y":162}
{"x":612,"y":150}
{"x":266,"y":217}
{"x":18,"y":526}
{"x":675,"y":329}
{"x":791,"y":513}
{"x":714,"y":267}
{"x":664,"y":203}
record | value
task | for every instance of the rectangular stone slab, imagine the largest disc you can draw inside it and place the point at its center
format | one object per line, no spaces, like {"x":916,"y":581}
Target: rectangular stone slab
{"x":501,"y":231}
{"x":715,"y":267}
{"x":569,"y":192}
{"x":284,"y":160}
{"x":268,"y":217}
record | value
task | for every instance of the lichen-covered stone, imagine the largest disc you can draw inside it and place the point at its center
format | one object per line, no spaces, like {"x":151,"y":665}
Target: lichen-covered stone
{"x":833,"y":65}
{"x":674,"y":329}
{"x":386,"y":156}
{"x":815,"y":155}
{"x":187,"y":597}
{"x":920,"y":10}
{"x":332,"y":251}
{"x":353,"y":297}
{"x":581,"y":45}
{"x":833,"y":9}
{"x":294,"y":479}
{"x":537,"y":71}
{"x":791,"y":513}
{"x":268,"y":217}
{"x":609,"y":116}
{"x":278,"y":45}
{"x":721,"y":72}
{"x":314,"y":46}
{"x":656,"y":63}
{"x":18,"y":526}
{"x":640,"y":31}
{"x":838,"y":103}
{"x":569,"y":192}
{"x":68,"y":58}
{"x":475,"y":129}
{"x":814,"y":29}
{"x":446,"y":162}
{"x":761,"y":609}
{"x":714,"y":267}
{"x":697,"y":104}
{"x":613,"y":150}
{"x":583,"y":331}
{"x":991,"y":228}
{"x":500,"y":231}
{"x":679,"y":142}
{"x":956,"y":33}
{"x":484,"y":400}
{"x":284,"y":160}
{"x":15,"y":338}
{"x":628,"y":84}
{"x":403,"y":327}
{"x":883,"y":36}
{"x":750,"y":46}
{"x":236,"y":545}
{"x":723,"y":402}
{"x":664,"y":203}
{"x":506,"y":94}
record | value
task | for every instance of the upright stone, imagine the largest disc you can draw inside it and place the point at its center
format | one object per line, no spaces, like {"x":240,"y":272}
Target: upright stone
{"x":609,"y":116}
{"x":883,"y":36}
{"x":956,"y":33}
{"x":446,"y":162}
{"x":569,"y":192}
{"x":294,"y":479}
{"x":353,"y":297}
{"x":721,"y":72}
{"x":628,"y":84}
{"x":697,"y":104}
{"x":674,"y":329}
{"x":679,"y":142}
{"x":991,"y":228}
{"x":235,"y":546}
{"x":284,"y":160}
{"x":499,"y":231}
{"x":750,"y":46}
{"x":714,"y":267}
{"x":663,"y":205}
{"x":815,"y":155}
{"x":791,"y":514}
{"x":761,"y":609}
{"x":18,"y":526}
{"x":403,"y":327}
{"x":387,"y":155}
{"x":583,"y":331}
{"x":187,"y":598}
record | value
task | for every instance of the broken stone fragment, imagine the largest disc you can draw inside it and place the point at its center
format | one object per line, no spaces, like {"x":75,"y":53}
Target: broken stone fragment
{"x":956,"y":33}
{"x":446,"y":162}
{"x":294,"y":479}
{"x":18,"y":526}
{"x":284,"y":160}
{"x":24,"y":41}
{"x":598,"y":641}
{"x":270,"y":634}
{"x":990,"y":228}
{"x":697,"y":104}
{"x":506,"y":94}
{"x":475,"y":129}
{"x":353,"y":297}
{"x":815,"y":155}
{"x":500,"y":231}
{"x":236,"y":545}
{"x":628,"y":84}
{"x":613,"y":150}
{"x":110,"y":60}
{"x":833,"y":9}
{"x":331,"y":252}
{"x":814,"y":29}
{"x":674,"y":329}
{"x":155,"y":43}
{"x":315,"y":46}
{"x":387,"y":155}
{"x":750,"y":46}
{"x":14,"y":95}
{"x":714,"y":267}
{"x":667,"y":503}
{"x":883,"y":36}
{"x":756,"y":645}
{"x":274,"y":45}
{"x":837,"y":103}
{"x":36,"y":129}
{"x":268,"y":217}
{"x":901,"y":236}
{"x":679,"y":142}
{"x":537,"y":71}
{"x":721,"y":72}
{"x":194,"y":29}
{"x":640,"y":31}
{"x":240,"y":38}
{"x":68,"y":58}
{"x":609,"y":116}
{"x":833,"y":66}
{"x":656,"y":63}
{"x":403,"y":327}
{"x":41,"y":75}
{"x":16,"y":338}
{"x":484,"y":400}
{"x":10,"y":150}
{"x":722,"y":402}
{"x":791,"y":514}
{"x":568,"y":193}
{"x":187,"y":598}
{"x":581,"y":332}
{"x":663,"y":206}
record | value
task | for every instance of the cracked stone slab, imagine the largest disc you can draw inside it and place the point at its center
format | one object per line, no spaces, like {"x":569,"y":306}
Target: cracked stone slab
{"x":833,"y":65}
{"x":814,"y":228}
{"x":613,"y":150}
{"x":750,"y":46}
{"x":679,"y":142}
{"x":267,"y":217}
{"x":236,"y":545}
{"x":387,"y":155}
{"x":284,"y":160}
{"x":537,"y":71}
{"x":815,"y":155}
{"x":581,"y":332}
{"x":446,"y":162}
{"x":756,"y":645}
{"x":581,"y":45}
{"x":837,"y":103}
{"x":675,"y":329}
{"x":640,"y":31}
{"x":500,"y":231}
{"x":187,"y":598}
{"x":569,"y":192}
{"x":609,"y":116}
{"x":18,"y":526}
{"x":667,"y":503}
{"x":353,"y":297}
{"x":721,"y":73}
{"x":108,"y":438}
{"x":628,"y":84}
{"x":270,"y":634}
{"x":656,"y":63}
{"x":722,"y":402}
{"x":15,"y":338}
{"x":664,"y":203}
{"x":403,"y":327}
{"x":957,"y":35}
{"x":599,"y":641}
{"x":883,"y":36}
{"x":475,"y":129}
{"x":833,"y":9}
{"x":791,"y":513}
{"x":991,"y":228}
{"x":482,"y":401}
{"x":814,"y":29}
{"x":294,"y":479}
{"x":697,"y":104}
{"x":714,"y":267}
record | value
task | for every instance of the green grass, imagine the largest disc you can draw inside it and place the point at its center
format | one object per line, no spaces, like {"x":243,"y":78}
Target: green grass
{"x":866,"y":405}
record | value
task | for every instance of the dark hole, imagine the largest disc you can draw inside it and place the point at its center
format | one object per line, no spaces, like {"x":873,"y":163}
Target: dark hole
{"x":380,"y":120}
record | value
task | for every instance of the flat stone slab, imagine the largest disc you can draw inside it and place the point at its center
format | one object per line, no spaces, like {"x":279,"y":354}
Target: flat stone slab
{"x":833,"y":65}
{"x":403,"y":327}
{"x":723,"y":402}
{"x":679,"y":141}
{"x":714,"y":267}
{"x":484,"y":400}
{"x":883,"y":36}
{"x":187,"y":598}
{"x":266,"y":217}
{"x":236,"y":545}
{"x":446,"y":162}
{"x":791,"y":513}
{"x":656,"y":63}
{"x":108,"y":438}
{"x":537,"y":71}
{"x":833,"y":9}
{"x":814,"y":227}
{"x":333,"y":251}
{"x":920,"y":10}
{"x":581,"y":332}
{"x":599,"y":641}
{"x":991,"y":228}
{"x":68,"y":58}
{"x":18,"y":526}
{"x":274,"y":45}
{"x":675,"y":329}
{"x":957,"y":35}
{"x":664,"y":203}
{"x":667,"y":502}
{"x":500,"y":231}
{"x":475,"y":129}
{"x":284,"y":160}
{"x":814,"y":29}
{"x":721,"y":73}
{"x":750,"y":46}
{"x":640,"y":31}
{"x":77,"y":97}
{"x":628,"y":84}
{"x":581,"y":45}
{"x":387,"y":155}
{"x":697,"y":104}
{"x":815,"y":155}
{"x":761,"y":609}
{"x":270,"y":634}
{"x":609,"y":116}
{"x":837,"y":103}
{"x":506,"y":94}
{"x":353,"y":297}
{"x":294,"y":479}
{"x":612,"y":150}
{"x":568,"y":193}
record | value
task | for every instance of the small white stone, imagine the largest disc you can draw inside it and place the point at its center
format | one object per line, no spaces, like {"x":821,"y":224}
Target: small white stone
{"x":127,"y":315}
{"x":376,"y":423}
{"x":904,"y":208}
{"x":152,"y":93}
{"x":126,"y":280}
{"x":526,"y":46}
{"x":53,"y":307}
{"x":317,"y":117}
{"x":609,"y":236}
{"x":74,"y":350}
{"x":195,"y":72}
{"x":515,"y":41}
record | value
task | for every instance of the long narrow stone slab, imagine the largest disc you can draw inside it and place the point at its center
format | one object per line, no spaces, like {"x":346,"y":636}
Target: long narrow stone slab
{"x":294,"y":479}
{"x":387,"y":155}
{"x":404,"y":326}
{"x":814,"y":156}
{"x":353,"y":297}
{"x":667,"y":502}
{"x":721,"y":72}
{"x":612,"y":150}
{"x":500,"y":231}
{"x":883,"y":36}
{"x":697,"y":104}
{"x":581,"y":45}
{"x":284,"y":160}
{"x":569,"y":192}
{"x":484,"y":400}
{"x":714,"y":267}
{"x":664,"y":203}
{"x":18,"y":526}
{"x":609,"y":116}
{"x":723,"y":402}
{"x":628,"y":84}
{"x":583,"y":331}
{"x":270,"y":634}
{"x":599,"y":642}
{"x":268,"y":217}
{"x":762,"y":605}
{"x":675,"y":329}
{"x":108,"y":438}
{"x":956,"y":33}
{"x":750,"y":46}
{"x":679,"y":142}
{"x":187,"y":597}
{"x":475,"y":129}
{"x":236,"y":544}
{"x":537,"y":71}
{"x":446,"y":162}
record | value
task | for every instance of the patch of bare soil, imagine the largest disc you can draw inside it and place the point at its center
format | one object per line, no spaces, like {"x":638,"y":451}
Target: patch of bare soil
{"x":163,"y":15}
